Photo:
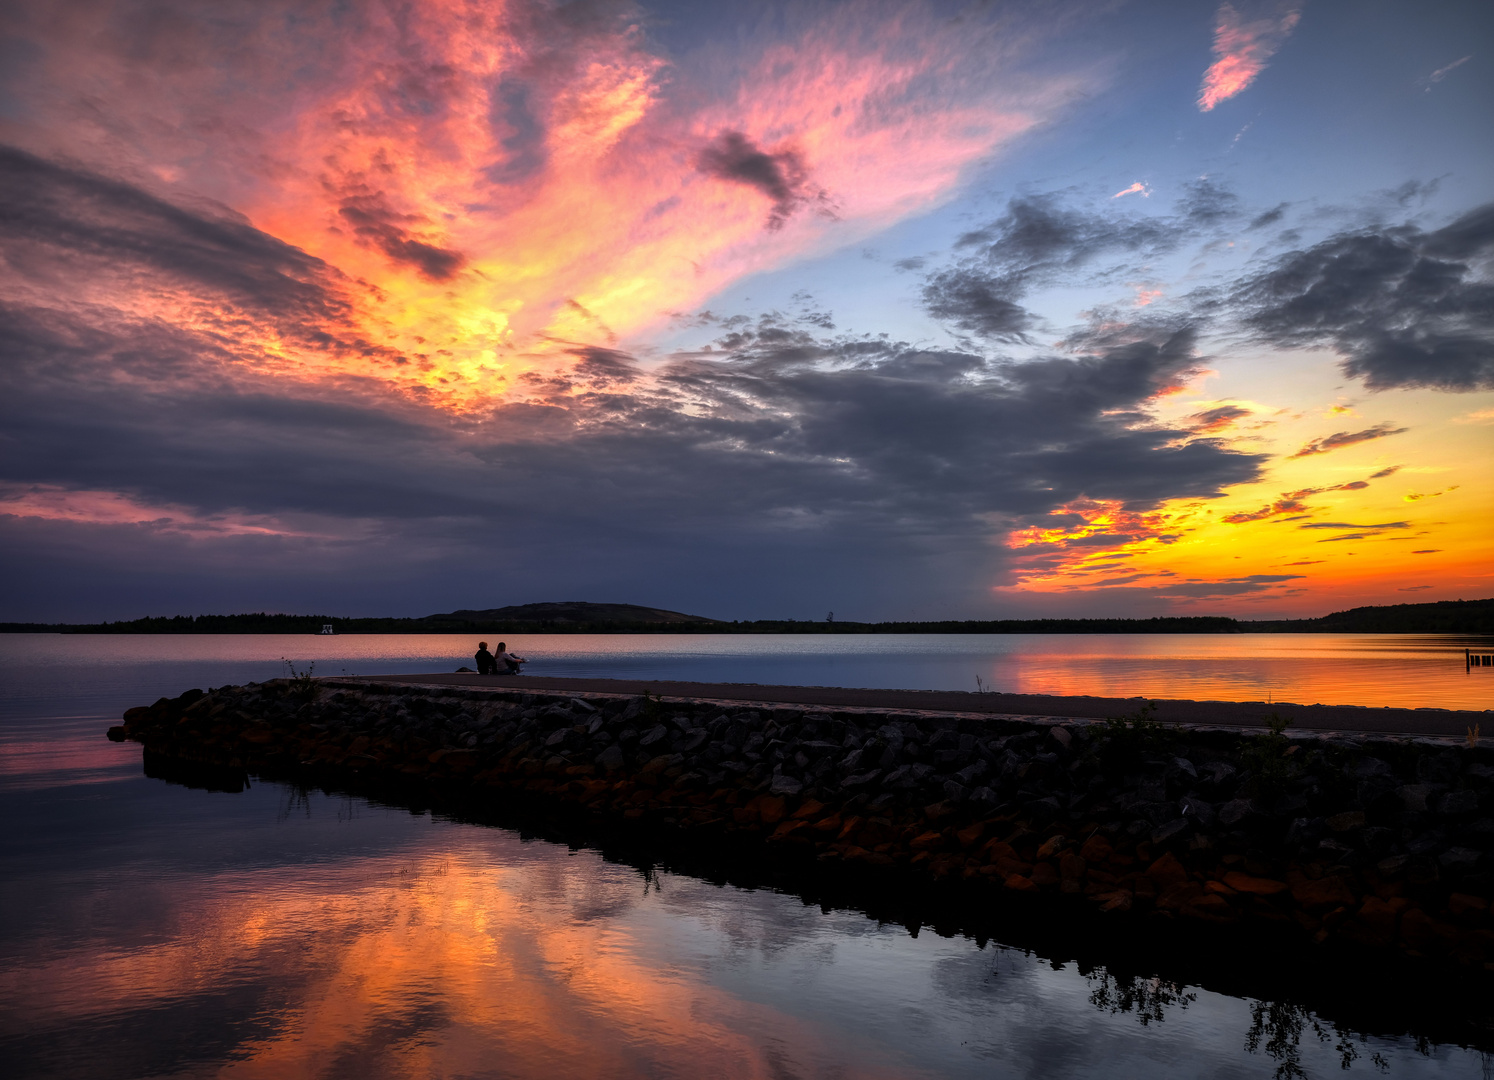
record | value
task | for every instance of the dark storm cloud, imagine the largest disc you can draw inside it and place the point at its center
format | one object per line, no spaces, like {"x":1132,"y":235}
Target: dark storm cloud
{"x":1404,"y":307}
{"x":979,"y":303}
{"x":782,"y":176}
{"x":375,"y":225}
{"x":604,"y":368}
{"x":58,"y":223}
{"x":804,"y":461}
{"x":838,"y":455}
{"x":1038,"y":241}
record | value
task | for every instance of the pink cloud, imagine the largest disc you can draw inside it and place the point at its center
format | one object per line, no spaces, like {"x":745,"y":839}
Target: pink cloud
{"x":53,"y":503}
{"x":1138,"y":188}
{"x":1242,"y":48}
{"x":498,"y":178}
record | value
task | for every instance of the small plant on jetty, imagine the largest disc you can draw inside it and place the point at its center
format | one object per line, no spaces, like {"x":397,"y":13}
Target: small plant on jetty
{"x":1127,"y":737}
{"x":1473,"y":737}
{"x":1268,"y":755}
{"x":301,"y":683}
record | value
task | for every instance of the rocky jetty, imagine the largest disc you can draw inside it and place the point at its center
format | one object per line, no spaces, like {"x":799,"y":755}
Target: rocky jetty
{"x":1365,"y":842}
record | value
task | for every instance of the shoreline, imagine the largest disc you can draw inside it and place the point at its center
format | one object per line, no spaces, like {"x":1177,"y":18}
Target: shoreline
{"x":1366,"y":843}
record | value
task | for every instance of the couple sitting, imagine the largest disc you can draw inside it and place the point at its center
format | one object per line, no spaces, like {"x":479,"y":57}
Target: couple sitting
{"x":505,"y":663}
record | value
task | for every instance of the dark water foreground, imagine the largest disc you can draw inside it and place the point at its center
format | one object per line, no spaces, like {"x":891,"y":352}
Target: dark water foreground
{"x":293,"y":932}
{"x":381,"y":928}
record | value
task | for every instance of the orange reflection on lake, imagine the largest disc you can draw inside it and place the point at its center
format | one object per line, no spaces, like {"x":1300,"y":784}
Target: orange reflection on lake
{"x":474,"y":960}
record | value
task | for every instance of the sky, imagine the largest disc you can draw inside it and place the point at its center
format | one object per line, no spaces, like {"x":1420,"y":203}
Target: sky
{"x":891,"y":310}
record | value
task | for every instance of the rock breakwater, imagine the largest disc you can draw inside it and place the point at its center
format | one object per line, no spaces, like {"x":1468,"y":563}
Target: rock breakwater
{"x":1365,"y":842}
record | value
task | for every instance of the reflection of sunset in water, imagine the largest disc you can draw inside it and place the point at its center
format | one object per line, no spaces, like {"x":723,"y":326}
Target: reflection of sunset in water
{"x":453,"y":962}
{"x":154,"y":930}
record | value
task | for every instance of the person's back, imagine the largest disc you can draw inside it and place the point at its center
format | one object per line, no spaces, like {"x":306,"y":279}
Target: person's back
{"x":487,"y":663}
{"x":508,"y":663}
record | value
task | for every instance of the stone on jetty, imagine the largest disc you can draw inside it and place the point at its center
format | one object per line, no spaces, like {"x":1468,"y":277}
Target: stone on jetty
{"x":1368,"y":841}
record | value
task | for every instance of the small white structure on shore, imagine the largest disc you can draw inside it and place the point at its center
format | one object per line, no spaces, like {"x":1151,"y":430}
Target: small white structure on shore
{"x":327,"y":628}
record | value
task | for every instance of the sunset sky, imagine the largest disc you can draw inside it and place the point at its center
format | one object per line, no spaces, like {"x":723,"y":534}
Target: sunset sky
{"x":902,"y":310}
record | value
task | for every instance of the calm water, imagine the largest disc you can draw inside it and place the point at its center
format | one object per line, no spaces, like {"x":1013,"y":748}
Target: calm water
{"x":1403,"y":670}
{"x":151,"y":930}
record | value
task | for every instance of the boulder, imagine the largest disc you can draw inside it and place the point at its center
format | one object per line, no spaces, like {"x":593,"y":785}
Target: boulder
{"x":1323,"y":894}
{"x":1167,"y":871}
{"x":1255,"y":886}
{"x":1209,"y":907}
{"x":1237,"y":812}
{"x":1096,"y":849}
{"x":783,"y":784}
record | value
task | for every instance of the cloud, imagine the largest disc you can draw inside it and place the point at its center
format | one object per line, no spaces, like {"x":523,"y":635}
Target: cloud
{"x":1291,"y":503}
{"x":1349,"y":525}
{"x":785,"y":446}
{"x":1038,"y":241}
{"x":1404,"y":307}
{"x":88,"y":238}
{"x":373,"y":222}
{"x":1241,"y":49}
{"x":1218,"y":418}
{"x":979,"y":303}
{"x":1275,"y":509}
{"x":781,"y":176}
{"x":479,"y":174}
{"x":1442,"y":72}
{"x":1138,"y":188}
{"x":1252,"y":583}
{"x":1417,"y":496}
{"x":1427,"y":551}
{"x":1339,"y":439}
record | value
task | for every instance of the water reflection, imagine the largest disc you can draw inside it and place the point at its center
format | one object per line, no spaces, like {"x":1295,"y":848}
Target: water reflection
{"x":1401,"y":670}
{"x":152,"y":929}
{"x":323,"y":936}
{"x":1147,"y":998}
{"x":1277,"y":1028}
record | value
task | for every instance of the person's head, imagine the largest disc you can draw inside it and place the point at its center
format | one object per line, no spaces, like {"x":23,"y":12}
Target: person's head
{"x":502,"y":646}
{"x":482,"y":644}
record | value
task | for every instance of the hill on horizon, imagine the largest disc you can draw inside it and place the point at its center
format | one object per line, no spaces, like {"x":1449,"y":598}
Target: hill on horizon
{"x":570,"y":611}
{"x":577,"y":616}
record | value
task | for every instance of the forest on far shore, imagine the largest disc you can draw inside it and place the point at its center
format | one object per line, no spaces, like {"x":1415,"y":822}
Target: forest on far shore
{"x":1442,"y":617}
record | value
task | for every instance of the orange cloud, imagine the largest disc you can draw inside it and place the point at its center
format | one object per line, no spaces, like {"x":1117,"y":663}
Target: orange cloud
{"x":1242,"y":49}
{"x":497,"y":183}
{"x":1138,"y":188}
{"x":1341,"y":439}
{"x":1217,"y":419}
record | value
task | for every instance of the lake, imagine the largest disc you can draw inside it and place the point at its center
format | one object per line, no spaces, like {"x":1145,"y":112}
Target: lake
{"x":1400,"y":670}
{"x":149,"y":929}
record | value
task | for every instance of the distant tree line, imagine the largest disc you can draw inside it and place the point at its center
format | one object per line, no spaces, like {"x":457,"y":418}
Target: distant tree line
{"x":1443,"y":617}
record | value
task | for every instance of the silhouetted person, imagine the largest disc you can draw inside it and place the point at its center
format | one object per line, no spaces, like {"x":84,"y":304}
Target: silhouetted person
{"x":487,"y":664}
{"x":508,"y":663}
